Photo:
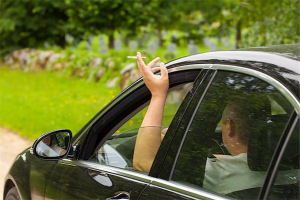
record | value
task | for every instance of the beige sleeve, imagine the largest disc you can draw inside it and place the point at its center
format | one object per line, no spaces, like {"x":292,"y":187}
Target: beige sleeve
{"x":147,"y":144}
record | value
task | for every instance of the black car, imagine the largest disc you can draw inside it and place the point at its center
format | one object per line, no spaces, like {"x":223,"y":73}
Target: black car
{"x":97,"y":162}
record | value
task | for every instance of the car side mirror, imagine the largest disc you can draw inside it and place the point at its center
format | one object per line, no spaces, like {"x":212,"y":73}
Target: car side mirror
{"x":54,"y":145}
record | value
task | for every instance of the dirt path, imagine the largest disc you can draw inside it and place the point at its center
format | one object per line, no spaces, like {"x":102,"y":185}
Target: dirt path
{"x":10,"y":145}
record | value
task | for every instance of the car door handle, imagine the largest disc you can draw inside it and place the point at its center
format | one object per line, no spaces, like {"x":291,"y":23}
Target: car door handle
{"x":120,"y":196}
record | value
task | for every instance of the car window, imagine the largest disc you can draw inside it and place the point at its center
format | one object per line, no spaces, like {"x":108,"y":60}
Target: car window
{"x":287,"y":182}
{"x":232,"y":137}
{"x":173,"y":101}
{"x":118,"y":150}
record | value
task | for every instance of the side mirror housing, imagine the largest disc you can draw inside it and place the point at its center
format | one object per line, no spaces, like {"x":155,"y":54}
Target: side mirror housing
{"x":54,"y":145}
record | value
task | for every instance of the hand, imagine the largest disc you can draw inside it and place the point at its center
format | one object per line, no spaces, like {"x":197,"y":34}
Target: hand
{"x":157,"y":84}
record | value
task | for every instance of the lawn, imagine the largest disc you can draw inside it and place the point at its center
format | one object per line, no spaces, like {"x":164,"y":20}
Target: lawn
{"x":35,"y":103}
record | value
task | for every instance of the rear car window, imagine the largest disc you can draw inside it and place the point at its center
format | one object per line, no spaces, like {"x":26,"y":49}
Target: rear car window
{"x":232,"y":138}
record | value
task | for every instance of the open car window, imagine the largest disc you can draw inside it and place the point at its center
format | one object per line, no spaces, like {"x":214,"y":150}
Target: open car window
{"x":118,"y":150}
{"x":232,"y":137}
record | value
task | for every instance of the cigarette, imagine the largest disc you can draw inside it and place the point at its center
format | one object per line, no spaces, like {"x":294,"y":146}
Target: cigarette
{"x":135,"y":57}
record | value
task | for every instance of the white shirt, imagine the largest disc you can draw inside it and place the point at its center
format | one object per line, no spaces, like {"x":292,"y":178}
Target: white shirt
{"x":231,"y":173}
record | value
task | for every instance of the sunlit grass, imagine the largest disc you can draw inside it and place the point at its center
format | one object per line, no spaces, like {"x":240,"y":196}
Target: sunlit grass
{"x":35,"y":103}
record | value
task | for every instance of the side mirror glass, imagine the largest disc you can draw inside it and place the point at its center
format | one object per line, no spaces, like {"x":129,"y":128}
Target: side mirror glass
{"x":53,"y":145}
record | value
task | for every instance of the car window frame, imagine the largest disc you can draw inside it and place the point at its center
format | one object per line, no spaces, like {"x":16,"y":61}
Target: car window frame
{"x":142,"y":86}
{"x":166,"y":182}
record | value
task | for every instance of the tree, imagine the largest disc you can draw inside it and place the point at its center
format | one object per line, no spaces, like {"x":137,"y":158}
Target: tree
{"x":266,"y":22}
{"x":205,"y":18}
{"x":26,"y":23}
{"x":31,"y":23}
{"x":103,"y":16}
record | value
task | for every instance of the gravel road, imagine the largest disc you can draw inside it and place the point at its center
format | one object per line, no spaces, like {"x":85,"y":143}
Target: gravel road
{"x":10,"y":145}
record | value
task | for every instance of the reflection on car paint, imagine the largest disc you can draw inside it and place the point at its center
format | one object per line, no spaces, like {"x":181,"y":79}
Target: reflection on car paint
{"x":101,"y":177}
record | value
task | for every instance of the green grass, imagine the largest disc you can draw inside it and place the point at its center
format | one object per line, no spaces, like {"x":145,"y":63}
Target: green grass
{"x":35,"y":103}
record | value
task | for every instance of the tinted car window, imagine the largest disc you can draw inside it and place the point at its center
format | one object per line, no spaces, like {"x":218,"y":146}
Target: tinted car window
{"x":287,"y":182}
{"x":233,"y":135}
{"x":118,"y":150}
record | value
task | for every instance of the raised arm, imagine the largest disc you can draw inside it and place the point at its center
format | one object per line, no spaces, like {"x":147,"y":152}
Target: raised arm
{"x":149,"y":135}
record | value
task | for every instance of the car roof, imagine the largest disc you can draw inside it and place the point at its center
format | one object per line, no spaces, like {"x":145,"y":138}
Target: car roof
{"x":291,"y":51}
{"x":282,"y":62}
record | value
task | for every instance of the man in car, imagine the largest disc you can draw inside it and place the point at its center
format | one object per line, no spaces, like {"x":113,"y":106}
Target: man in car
{"x":224,"y":173}
{"x":227,"y":173}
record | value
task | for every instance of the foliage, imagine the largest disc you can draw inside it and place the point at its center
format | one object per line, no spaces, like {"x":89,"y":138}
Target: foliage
{"x":27,"y":23}
{"x":102,"y":16}
{"x":260,"y":23}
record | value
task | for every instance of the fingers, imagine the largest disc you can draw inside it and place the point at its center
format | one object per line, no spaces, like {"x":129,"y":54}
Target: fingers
{"x":140,"y":62}
{"x":152,"y":63}
{"x":164,"y":71}
{"x":143,"y":68}
{"x":150,"y":69}
{"x":155,"y":69}
{"x":139,"y":59}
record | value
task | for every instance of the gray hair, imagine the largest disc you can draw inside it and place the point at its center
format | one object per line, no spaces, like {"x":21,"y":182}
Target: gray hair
{"x":239,"y":113}
{"x":248,"y":113}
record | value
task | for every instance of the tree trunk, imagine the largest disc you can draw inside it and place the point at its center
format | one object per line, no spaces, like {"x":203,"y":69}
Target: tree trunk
{"x":160,"y":37}
{"x":124,"y":38}
{"x":62,"y":41}
{"x":111,"y":39}
{"x":238,"y":34}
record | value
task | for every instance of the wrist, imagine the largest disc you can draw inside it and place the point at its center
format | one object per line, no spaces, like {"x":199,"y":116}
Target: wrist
{"x":159,"y":96}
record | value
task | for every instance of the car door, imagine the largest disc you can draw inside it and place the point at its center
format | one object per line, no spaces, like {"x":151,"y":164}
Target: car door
{"x":39,"y":173}
{"x":201,"y":164}
{"x":101,"y":167}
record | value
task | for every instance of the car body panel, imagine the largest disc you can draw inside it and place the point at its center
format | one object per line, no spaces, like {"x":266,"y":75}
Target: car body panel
{"x":99,"y":182}
{"x":19,"y":174}
{"x":30,"y":175}
{"x":161,"y":189}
